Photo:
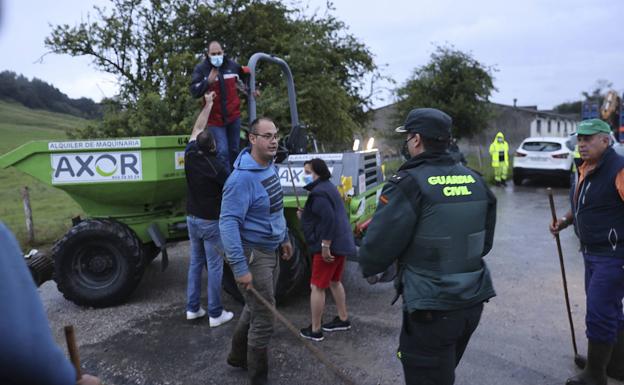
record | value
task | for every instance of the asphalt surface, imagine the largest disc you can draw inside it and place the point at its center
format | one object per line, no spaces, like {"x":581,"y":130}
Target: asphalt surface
{"x":523,"y":337}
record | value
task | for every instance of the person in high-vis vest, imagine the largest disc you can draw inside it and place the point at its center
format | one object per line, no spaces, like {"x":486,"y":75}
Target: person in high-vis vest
{"x":597,"y":213}
{"x":499,"y":151}
{"x":435,"y":217}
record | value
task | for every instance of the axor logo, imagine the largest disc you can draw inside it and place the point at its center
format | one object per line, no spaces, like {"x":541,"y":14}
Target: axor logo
{"x":92,"y":167}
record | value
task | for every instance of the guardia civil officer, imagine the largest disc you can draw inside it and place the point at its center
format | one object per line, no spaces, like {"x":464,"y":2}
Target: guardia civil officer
{"x":436,"y":218}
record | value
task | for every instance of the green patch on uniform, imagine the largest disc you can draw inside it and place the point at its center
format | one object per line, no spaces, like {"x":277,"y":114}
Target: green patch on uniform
{"x":454,"y":185}
{"x":451,"y":179}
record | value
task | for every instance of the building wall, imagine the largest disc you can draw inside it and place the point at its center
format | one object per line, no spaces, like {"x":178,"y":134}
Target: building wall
{"x":516,"y":123}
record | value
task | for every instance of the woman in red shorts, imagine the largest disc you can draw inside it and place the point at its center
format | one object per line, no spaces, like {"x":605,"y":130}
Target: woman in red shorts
{"x":330,"y":240}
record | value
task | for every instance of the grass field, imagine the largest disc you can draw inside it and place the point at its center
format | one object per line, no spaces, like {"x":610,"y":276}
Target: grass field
{"x":52,"y":208}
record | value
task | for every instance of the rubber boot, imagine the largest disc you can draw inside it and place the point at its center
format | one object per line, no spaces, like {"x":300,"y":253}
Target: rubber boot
{"x":238,"y":353}
{"x":595,"y":372}
{"x":258,"y":365}
{"x":615,"y":369}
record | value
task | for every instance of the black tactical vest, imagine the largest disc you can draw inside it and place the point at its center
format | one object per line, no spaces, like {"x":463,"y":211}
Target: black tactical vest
{"x":443,"y":267}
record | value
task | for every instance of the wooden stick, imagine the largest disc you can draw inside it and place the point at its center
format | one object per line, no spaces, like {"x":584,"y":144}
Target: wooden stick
{"x":563,"y":273}
{"x":28,"y":214}
{"x":72,"y":348}
{"x":315,"y":351}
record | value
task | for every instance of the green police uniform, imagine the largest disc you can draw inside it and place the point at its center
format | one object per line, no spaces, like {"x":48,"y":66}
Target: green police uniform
{"x":436,"y":218}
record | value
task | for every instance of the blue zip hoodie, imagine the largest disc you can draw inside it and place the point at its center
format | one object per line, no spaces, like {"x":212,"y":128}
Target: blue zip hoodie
{"x":252,"y":211}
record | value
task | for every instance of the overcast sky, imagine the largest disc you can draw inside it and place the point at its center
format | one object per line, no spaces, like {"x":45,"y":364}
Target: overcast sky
{"x":546,"y":52}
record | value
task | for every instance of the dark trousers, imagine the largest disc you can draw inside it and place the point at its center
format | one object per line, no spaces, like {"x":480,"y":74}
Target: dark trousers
{"x":604,"y":288}
{"x":432,"y":343}
{"x":227,"y":139}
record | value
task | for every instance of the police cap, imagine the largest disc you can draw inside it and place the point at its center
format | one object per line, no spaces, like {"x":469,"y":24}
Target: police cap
{"x":429,"y":122}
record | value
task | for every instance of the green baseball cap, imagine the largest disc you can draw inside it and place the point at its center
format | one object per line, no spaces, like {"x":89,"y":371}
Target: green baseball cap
{"x":592,"y":127}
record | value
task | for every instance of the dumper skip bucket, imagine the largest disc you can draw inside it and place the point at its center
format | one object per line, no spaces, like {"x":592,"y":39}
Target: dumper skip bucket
{"x":109,"y":177}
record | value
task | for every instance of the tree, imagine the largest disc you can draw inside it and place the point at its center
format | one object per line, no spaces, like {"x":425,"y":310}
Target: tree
{"x":596,"y":95}
{"x":153,"y":45}
{"x":36,"y":93}
{"x":569,"y":108}
{"x":454,"y":82}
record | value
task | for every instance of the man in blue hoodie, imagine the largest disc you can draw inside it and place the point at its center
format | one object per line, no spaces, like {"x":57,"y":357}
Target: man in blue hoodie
{"x":253,"y":227}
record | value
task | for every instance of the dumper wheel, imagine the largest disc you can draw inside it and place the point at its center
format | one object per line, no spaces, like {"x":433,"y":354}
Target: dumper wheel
{"x":41,"y":268}
{"x":229,"y":284}
{"x":290,"y":276}
{"x":294,"y":274}
{"x":98,"y":263}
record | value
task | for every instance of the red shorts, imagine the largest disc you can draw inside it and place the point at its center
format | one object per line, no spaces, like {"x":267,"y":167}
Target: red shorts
{"x":324,"y":272}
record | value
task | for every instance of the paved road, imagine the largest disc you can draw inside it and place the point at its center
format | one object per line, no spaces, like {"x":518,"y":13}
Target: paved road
{"x":523,"y":337}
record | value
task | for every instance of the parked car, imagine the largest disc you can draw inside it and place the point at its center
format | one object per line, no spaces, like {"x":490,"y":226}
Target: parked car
{"x":544,"y":157}
{"x":548,"y":157}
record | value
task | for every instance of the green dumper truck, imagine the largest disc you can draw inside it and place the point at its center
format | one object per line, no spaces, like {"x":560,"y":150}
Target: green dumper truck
{"x":133,"y":190}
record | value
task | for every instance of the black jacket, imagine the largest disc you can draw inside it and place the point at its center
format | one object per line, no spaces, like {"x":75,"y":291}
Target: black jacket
{"x":598,"y":208}
{"x":205,"y":177}
{"x":437,"y":219}
{"x":226,"y":107}
{"x":325,"y":217}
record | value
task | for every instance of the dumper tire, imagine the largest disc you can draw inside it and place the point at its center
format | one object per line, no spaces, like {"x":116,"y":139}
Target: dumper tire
{"x":41,"y":268}
{"x":98,"y":263}
{"x":290,"y":276}
{"x":229,"y":284}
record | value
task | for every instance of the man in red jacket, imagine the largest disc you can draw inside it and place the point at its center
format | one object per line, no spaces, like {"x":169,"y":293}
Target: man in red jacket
{"x":221,"y":75}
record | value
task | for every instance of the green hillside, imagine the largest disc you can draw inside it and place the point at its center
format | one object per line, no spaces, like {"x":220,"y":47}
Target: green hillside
{"x":52,"y":208}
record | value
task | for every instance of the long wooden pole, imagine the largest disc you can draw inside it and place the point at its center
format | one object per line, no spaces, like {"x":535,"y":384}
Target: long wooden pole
{"x":563,"y":273}
{"x":315,"y":351}
{"x":72,"y":348}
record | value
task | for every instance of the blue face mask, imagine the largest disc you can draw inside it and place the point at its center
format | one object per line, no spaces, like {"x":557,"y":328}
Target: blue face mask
{"x":216,"y":60}
{"x":307,"y":179}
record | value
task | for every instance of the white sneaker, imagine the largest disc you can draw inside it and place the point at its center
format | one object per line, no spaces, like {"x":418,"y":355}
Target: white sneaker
{"x":195,"y":314}
{"x":220,"y":320}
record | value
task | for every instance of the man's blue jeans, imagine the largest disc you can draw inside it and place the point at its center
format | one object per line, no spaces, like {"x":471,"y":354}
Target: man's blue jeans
{"x":227,"y":139}
{"x":205,"y":250}
{"x":604,"y":287}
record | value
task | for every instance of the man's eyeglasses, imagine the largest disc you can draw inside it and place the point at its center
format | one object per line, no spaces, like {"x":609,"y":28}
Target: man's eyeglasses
{"x":267,"y":136}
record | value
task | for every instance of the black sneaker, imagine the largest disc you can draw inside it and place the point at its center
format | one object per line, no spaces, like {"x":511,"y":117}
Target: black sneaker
{"x":310,"y":335}
{"x":336,"y":325}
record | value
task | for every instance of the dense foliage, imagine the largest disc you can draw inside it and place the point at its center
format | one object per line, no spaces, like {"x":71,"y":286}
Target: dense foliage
{"x":454,"y":82}
{"x":38,"y":94}
{"x":153,"y":45}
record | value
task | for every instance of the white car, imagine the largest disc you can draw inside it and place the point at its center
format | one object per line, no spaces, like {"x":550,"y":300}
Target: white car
{"x":543,"y":157}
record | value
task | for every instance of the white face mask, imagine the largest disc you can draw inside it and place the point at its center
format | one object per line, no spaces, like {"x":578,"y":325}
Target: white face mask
{"x":216,"y":60}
